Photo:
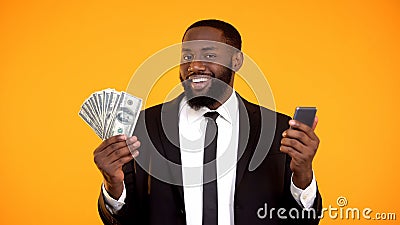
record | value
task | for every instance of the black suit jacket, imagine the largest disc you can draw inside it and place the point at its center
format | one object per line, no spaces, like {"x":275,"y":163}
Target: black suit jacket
{"x":153,"y":201}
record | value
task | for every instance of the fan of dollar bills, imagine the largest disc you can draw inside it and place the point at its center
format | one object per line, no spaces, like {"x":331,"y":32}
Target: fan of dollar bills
{"x":109,"y":112}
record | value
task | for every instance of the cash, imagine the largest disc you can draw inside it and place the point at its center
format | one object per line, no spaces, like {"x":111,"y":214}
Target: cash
{"x":109,"y":113}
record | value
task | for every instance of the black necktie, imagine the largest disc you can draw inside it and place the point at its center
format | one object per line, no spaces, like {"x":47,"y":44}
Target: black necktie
{"x":210,"y":197}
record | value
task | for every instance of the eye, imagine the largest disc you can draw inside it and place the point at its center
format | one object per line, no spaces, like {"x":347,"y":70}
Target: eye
{"x":187,"y":57}
{"x":211,"y":56}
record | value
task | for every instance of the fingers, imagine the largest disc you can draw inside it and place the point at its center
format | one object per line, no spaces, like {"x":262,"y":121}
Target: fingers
{"x":121,"y":161}
{"x":118,"y":154}
{"x":294,"y":144}
{"x":133,"y":148}
{"x":301,"y":139}
{"x":111,"y":140}
{"x":298,"y":159}
{"x":115,"y":143}
{"x":115,"y":149}
{"x":293,"y":153}
{"x":131,"y":140}
{"x":133,"y":145}
{"x":296,"y":135}
{"x":297,"y":125}
{"x":121,"y":150}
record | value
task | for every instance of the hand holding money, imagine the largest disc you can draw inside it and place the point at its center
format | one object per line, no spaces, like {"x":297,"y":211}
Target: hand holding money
{"x":113,"y":116}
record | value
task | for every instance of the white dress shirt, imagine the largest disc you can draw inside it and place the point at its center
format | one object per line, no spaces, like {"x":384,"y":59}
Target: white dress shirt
{"x":192,"y":126}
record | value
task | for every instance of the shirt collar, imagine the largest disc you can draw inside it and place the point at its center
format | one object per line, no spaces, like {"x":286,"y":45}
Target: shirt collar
{"x":228,"y":111}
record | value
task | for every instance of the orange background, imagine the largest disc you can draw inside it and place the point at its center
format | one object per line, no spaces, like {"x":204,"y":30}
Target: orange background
{"x":342,"y":56}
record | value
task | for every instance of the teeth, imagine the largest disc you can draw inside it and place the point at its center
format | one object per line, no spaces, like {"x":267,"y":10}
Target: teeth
{"x":200,"y":79}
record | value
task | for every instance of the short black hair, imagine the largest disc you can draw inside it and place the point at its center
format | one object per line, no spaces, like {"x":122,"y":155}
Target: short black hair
{"x":231,"y":34}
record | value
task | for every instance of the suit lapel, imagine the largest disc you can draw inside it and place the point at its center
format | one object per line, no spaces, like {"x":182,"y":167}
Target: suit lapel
{"x":249,"y":132}
{"x":170,"y":140}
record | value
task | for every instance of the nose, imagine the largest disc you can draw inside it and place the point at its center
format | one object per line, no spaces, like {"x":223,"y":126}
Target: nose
{"x":196,"y":66}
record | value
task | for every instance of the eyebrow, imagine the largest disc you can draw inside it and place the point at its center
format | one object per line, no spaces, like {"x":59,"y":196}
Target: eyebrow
{"x":203,"y":49}
{"x":208,"y":48}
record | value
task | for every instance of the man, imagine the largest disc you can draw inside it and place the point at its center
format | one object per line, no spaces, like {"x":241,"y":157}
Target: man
{"x":167,"y":182}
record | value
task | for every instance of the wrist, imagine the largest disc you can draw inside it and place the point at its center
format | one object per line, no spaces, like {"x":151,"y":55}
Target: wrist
{"x":114,"y":190}
{"x":302,"y":179}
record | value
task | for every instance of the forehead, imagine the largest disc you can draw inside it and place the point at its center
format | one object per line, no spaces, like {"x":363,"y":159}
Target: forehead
{"x":204,"y":33}
{"x":205,"y":39}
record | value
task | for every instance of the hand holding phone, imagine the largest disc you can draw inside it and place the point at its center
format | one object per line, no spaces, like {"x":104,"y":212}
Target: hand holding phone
{"x":301,"y":144}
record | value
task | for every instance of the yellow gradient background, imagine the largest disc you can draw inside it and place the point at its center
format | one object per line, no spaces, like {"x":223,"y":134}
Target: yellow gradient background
{"x":341,"y":56}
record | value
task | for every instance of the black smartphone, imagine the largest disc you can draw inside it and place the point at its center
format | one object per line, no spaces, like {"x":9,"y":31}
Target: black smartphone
{"x":305,"y":115}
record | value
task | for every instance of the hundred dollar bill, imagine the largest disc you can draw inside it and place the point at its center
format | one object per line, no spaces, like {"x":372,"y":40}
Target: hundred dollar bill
{"x":126,"y":115}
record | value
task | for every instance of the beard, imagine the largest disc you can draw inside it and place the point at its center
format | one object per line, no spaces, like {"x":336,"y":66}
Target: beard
{"x":218,"y":89}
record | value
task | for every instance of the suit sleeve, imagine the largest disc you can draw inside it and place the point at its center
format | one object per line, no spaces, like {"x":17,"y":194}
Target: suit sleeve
{"x":134,"y":210}
{"x":306,"y":216}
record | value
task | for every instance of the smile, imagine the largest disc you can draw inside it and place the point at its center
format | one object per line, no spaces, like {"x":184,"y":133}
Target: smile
{"x":199,"y":79}
{"x":199,"y":82}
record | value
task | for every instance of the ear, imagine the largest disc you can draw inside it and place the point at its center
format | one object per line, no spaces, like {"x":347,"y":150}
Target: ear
{"x":237,"y":60}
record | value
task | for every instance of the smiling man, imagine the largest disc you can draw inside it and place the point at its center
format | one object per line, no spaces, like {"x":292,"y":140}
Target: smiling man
{"x":195,"y":151}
